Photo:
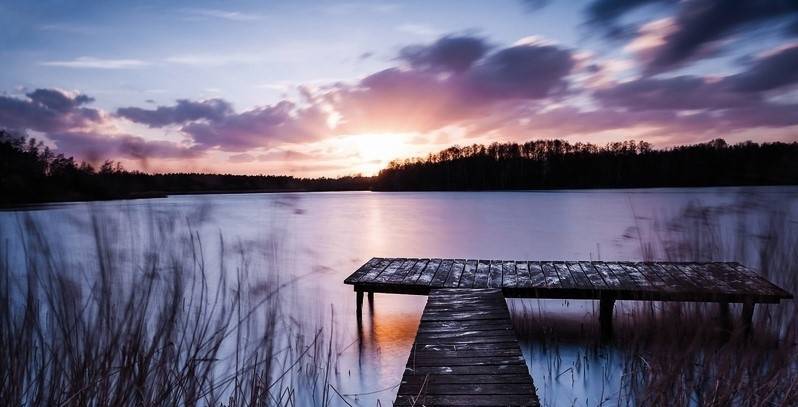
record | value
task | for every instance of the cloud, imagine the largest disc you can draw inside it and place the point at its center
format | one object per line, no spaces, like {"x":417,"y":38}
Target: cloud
{"x":48,"y":110}
{"x":535,"y":5}
{"x":776,"y":69}
{"x":58,"y":100}
{"x":420,"y":30}
{"x":451,"y":80}
{"x":678,"y":93}
{"x":450,"y":53}
{"x":696,"y":26}
{"x":97,"y":63}
{"x":213,"y":60}
{"x":82,"y":131}
{"x":221,"y":14}
{"x":99,"y":146}
{"x":605,"y":14}
{"x":283,"y":122}
{"x":523,"y":71}
{"x":182,"y":112}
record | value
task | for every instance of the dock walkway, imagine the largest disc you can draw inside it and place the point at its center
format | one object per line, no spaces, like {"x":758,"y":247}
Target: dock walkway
{"x":466,"y":353}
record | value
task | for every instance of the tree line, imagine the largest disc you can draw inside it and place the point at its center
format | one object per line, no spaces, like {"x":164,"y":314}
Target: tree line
{"x":549,"y":164}
{"x":30,"y":172}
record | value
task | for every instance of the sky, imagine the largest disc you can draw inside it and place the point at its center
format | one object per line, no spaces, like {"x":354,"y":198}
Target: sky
{"x":323,"y":88}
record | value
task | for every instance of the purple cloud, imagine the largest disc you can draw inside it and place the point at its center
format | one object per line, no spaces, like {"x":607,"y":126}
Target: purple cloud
{"x":182,"y":112}
{"x":775,"y":70}
{"x":678,"y":93}
{"x":47,"y":110}
{"x":449,"y":53}
{"x":699,"y":23}
{"x":420,"y":99}
{"x":96,"y":146}
{"x":523,"y":72}
{"x":283,"y":122}
{"x":696,"y":24}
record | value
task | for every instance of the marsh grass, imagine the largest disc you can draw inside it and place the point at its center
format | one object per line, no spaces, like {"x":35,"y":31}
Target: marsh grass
{"x":163,"y":325}
{"x":682,"y":354}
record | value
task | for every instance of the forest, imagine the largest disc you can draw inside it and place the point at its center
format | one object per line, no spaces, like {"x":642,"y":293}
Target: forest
{"x":549,"y":164}
{"x":32,"y":173}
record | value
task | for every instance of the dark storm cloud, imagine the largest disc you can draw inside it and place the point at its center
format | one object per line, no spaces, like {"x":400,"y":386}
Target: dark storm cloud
{"x":523,"y":71}
{"x":47,"y":110}
{"x":775,"y":70}
{"x":183,"y":111}
{"x":700,"y":22}
{"x":450,"y":53}
{"x":679,"y":93}
{"x":604,"y":14}
{"x":696,"y":24}
{"x":57,"y":100}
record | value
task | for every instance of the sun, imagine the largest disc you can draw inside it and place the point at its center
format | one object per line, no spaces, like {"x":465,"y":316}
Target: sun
{"x":374,"y":151}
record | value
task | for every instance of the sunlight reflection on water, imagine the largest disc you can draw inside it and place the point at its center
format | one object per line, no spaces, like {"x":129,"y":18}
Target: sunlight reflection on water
{"x":323,"y":237}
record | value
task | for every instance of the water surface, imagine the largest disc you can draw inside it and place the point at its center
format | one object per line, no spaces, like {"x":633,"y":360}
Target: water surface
{"x":315,"y":240}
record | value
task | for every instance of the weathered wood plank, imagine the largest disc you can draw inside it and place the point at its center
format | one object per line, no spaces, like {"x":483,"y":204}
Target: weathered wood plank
{"x":760,"y":282}
{"x":483,"y":274}
{"x":426,"y":276}
{"x":522,"y":274}
{"x":536,"y":277}
{"x":404,"y":270}
{"x":362,"y":270}
{"x":592,"y":275}
{"x":415,"y":272}
{"x":389,"y":271}
{"x":627,"y":282}
{"x":664,"y":281}
{"x":454,"y":275}
{"x":375,"y":271}
{"x":469,"y":274}
{"x":566,"y":280}
{"x":579,"y":276}
{"x":495,"y":277}
{"x":465,"y":400}
{"x":466,"y":352}
{"x":636,"y":276}
{"x":552,"y":278}
{"x":442,"y":273}
{"x":606,"y":274}
{"x":509,"y":274}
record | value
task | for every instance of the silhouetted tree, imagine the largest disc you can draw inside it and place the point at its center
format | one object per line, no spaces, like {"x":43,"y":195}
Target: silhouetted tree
{"x":559,"y":164}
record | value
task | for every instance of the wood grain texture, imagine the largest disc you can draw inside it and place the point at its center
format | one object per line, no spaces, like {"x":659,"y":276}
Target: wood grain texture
{"x":466,"y":352}
{"x":657,"y":281}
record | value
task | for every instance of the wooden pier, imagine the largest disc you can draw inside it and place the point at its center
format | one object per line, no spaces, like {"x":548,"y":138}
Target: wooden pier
{"x":466,"y":352}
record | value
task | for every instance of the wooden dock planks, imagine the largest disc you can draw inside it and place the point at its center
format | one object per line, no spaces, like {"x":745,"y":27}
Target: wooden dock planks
{"x":660,"y":281}
{"x":466,"y":353}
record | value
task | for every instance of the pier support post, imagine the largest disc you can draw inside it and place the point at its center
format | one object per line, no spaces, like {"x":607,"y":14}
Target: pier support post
{"x":371,"y":297}
{"x":606,"y":307}
{"x":748,"y":315}
{"x":359,"y":305}
{"x":725,"y":320}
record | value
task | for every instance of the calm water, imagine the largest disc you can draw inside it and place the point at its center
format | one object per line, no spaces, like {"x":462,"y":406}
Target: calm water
{"x":322,"y":237}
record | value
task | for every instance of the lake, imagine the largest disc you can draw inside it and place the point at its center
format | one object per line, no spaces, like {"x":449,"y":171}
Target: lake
{"x":311,"y":241}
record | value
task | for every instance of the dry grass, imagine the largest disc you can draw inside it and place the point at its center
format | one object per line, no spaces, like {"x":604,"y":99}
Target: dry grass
{"x":154,"y":329}
{"x":682,"y":353}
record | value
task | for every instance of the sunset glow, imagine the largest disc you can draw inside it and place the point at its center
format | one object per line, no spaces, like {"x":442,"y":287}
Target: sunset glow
{"x":327,"y":89}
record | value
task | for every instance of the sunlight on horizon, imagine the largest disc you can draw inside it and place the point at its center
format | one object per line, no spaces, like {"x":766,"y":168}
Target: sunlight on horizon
{"x":373,"y":151}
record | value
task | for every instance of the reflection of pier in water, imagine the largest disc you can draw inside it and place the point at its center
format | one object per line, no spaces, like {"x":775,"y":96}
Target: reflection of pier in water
{"x":466,"y":351}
